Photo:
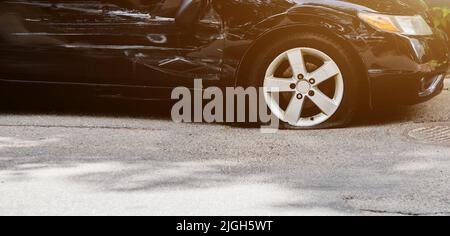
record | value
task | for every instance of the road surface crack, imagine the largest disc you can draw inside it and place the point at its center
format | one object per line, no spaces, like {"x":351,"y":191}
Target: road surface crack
{"x":405,"y":213}
{"x":83,"y":127}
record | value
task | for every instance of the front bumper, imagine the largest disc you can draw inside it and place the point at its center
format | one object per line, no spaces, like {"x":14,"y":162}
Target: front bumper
{"x":406,"y":89}
{"x":406,"y":70}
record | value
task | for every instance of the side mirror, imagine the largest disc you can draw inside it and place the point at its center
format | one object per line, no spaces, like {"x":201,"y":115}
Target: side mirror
{"x":189,"y":13}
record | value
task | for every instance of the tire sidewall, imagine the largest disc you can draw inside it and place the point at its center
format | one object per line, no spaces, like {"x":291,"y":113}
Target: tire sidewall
{"x":328,"y":46}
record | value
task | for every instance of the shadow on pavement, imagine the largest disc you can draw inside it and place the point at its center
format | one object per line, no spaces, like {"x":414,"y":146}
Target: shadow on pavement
{"x":89,"y":107}
{"x":161,"y":110}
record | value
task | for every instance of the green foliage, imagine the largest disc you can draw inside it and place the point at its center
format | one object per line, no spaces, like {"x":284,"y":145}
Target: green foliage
{"x":442,"y":17}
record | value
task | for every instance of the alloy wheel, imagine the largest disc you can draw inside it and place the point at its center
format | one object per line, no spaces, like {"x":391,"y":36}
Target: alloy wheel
{"x":308,"y":95}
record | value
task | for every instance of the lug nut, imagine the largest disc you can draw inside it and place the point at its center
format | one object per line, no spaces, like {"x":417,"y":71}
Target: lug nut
{"x":312,"y":81}
{"x":299,"y":96}
{"x":300,"y":76}
{"x":292,"y":86}
{"x":311,"y":93}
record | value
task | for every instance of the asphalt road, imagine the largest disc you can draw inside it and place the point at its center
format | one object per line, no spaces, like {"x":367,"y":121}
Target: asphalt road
{"x":77,"y":161}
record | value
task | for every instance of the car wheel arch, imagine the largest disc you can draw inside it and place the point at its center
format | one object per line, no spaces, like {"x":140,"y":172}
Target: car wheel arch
{"x":272,"y":34}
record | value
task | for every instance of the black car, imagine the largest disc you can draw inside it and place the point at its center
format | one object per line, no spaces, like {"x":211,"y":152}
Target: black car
{"x":326,"y":58}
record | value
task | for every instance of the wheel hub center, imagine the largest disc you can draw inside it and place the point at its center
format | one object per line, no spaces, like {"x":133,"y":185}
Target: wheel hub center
{"x":303,"y":87}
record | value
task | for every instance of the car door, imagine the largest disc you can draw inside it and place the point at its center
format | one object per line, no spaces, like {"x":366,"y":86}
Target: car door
{"x":62,"y":41}
{"x":122,"y":42}
{"x":187,"y":44}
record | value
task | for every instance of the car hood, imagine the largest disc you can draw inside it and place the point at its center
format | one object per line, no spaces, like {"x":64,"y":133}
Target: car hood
{"x":394,"y":7}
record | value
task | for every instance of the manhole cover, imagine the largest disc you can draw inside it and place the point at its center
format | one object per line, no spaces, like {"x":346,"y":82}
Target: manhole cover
{"x":431,"y":134}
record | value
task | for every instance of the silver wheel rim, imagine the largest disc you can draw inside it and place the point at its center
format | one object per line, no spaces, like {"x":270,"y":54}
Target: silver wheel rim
{"x":303,"y":85}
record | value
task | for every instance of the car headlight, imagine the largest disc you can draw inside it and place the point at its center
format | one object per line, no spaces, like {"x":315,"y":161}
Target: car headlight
{"x":406,"y":25}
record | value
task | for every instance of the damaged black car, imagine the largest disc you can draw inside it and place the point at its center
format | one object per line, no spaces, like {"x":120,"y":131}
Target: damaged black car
{"x":323,"y":59}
